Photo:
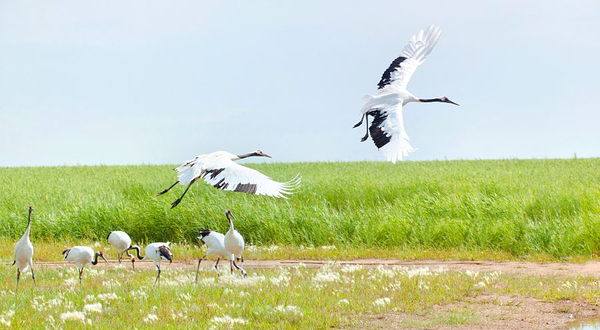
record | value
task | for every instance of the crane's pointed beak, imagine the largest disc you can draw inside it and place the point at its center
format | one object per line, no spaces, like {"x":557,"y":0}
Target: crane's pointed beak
{"x":265,"y":155}
{"x":104,"y":258}
{"x":453,"y":103}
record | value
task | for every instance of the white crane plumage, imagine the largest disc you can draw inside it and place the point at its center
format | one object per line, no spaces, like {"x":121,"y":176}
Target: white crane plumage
{"x":121,"y":241}
{"x":24,"y":253}
{"x":234,"y":243}
{"x":82,"y":255}
{"x":158,"y":252}
{"x":220,"y":170}
{"x":216,"y":245}
{"x":385,"y":106}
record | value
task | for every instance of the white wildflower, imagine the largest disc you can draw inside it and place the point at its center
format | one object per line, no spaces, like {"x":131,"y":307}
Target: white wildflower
{"x":93,"y":308}
{"x":234,"y":280}
{"x":227,"y":320}
{"x":352,"y":268}
{"x":326,"y":277}
{"x":111,"y":283}
{"x":150,"y":318}
{"x":288,"y":309}
{"x":381,"y":302}
{"x":106,"y":297}
{"x":5,"y":318}
{"x":343,"y":302}
{"x":73,"y":316}
{"x":70,"y":283}
{"x":139,"y":294}
{"x":282,"y":279}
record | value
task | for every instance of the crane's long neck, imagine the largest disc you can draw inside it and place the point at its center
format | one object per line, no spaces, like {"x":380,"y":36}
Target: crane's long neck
{"x":28,"y":224}
{"x":95,"y":261}
{"x":250,"y":154}
{"x":137,"y":250}
{"x":231,"y":228}
{"x":431,"y":100}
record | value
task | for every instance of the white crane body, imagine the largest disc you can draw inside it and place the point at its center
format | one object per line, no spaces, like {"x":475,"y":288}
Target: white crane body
{"x":24,"y":252}
{"x":385,"y":106}
{"x":215,"y":242}
{"x":220,"y":171}
{"x":234,"y":243}
{"x":158,"y":252}
{"x":82,"y":256}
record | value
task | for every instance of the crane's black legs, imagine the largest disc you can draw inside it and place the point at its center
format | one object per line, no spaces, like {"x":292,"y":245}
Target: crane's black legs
{"x":198,"y":268}
{"x":364,"y":117}
{"x":242,"y":271}
{"x":80,"y":273}
{"x":157,"y":276}
{"x":120,"y":255}
{"x":364,"y":138}
{"x":178,"y":200}
{"x":216,"y":264}
{"x":166,"y":190}
{"x":33,"y":277}
{"x":360,"y":122}
{"x":18,"y":278}
{"x":131,"y":257}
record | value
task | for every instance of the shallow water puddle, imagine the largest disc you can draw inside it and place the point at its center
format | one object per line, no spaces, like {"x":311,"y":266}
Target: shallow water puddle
{"x":584,"y":325}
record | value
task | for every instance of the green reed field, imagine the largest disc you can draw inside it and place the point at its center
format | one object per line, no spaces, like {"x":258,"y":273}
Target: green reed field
{"x":514,"y":207}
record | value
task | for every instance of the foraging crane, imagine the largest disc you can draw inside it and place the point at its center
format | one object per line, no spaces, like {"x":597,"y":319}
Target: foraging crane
{"x":234,"y":243}
{"x":385,"y":106}
{"x":157,"y":252}
{"x":122,"y":242}
{"x":82,"y":255}
{"x":24,"y":253}
{"x":216,"y":245}
{"x":220,"y":170}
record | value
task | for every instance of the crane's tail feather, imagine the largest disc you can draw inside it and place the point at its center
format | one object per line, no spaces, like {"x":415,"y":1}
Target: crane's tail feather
{"x":397,"y":148}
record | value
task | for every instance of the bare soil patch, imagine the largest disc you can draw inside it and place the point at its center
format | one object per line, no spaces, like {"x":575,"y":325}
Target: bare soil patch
{"x":491,"y":312}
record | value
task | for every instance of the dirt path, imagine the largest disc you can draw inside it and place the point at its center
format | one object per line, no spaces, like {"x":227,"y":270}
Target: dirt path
{"x":510,"y":267}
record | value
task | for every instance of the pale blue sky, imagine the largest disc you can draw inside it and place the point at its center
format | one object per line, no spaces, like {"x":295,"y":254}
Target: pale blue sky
{"x":132,"y":82}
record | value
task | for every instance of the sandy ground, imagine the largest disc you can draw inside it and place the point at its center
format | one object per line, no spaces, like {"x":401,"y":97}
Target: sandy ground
{"x":481,"y":312}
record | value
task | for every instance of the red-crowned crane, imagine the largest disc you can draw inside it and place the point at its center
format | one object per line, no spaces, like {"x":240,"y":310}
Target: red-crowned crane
{"x":385,"y":106}
{"x":24,"y":253}
{"x":82,"y":255}
{"x":157,"y":252}
{"x":122,"y":243}
{"x":234,"y":243}
{"x":216,"y":245}
{"x":220,"y":170}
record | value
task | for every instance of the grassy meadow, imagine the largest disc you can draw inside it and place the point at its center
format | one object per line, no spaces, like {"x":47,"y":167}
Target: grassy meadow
{"x":518,"y":208}
{"x":334,"y":296}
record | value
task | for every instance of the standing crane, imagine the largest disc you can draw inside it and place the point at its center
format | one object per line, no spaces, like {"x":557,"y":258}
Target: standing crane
{"x":220,"y":170}
{"x":157,"y":252}
{"x":82,"y":255}
{"x":24,"y":253}
{"x":216,"y":245}
{"x":385,"y":106}
{"x":234,"y":243}
{"x":122,"y":242}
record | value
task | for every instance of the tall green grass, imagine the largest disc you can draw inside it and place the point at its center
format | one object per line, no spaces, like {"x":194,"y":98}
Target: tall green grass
{"x":515,"y":206}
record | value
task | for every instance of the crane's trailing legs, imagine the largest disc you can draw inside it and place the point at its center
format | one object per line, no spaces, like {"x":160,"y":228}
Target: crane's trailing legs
{"x":364,"y":117}
{"x":166,"y":190}
{"x":178,"y":200}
